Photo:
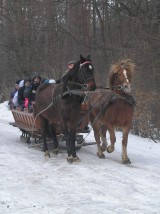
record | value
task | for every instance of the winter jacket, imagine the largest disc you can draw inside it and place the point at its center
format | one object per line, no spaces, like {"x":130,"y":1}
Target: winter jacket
{"x":34,"y":87}
{"x":24,"y":92}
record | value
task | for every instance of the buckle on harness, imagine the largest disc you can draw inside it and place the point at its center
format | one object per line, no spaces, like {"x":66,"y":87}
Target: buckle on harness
{"x":120,"y":87}
{"x":85,"y":86}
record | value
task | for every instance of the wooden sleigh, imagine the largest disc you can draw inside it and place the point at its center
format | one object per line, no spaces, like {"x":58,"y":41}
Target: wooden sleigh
{"x":25,"y":121}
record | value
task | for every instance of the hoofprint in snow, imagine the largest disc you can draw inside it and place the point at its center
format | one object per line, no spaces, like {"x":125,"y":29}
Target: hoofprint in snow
{"x":31,"y":184}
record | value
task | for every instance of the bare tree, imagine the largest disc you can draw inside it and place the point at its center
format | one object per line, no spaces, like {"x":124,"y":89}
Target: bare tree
{"x":43,"y":35}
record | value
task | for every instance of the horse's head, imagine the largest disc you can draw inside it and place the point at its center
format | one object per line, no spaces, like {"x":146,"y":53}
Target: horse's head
{"x":81,"y":76}
{"x":121,"y":76}
{"x":86,"y":73}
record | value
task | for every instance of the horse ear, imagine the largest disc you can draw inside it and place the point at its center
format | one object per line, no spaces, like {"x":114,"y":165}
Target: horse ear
{"x":89,"y":57}
{"x":81,"y":58}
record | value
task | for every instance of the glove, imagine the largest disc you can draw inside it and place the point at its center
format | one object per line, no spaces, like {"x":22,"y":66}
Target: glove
{"x":52,"y":81}
{"x":58,"y":81}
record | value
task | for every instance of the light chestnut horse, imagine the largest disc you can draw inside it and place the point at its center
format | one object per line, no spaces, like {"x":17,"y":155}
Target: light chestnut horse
{"x":113,"y":109}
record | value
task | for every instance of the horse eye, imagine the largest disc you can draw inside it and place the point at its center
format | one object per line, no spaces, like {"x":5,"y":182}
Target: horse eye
{"x":119,"y":74}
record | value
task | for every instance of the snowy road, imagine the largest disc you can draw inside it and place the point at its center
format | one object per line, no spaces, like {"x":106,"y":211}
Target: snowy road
{"x":31,"y":184}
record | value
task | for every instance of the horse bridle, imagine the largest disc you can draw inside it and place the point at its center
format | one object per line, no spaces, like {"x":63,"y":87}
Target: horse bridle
{"x":85,"y":80}
{"x":81,"y":71}
{"x":120,"y":87}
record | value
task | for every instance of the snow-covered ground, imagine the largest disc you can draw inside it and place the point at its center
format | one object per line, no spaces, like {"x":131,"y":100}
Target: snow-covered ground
{"x":29,"y":183}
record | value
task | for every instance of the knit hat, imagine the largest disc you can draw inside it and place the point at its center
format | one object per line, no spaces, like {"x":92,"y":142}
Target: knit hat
{"x":35,"y":74}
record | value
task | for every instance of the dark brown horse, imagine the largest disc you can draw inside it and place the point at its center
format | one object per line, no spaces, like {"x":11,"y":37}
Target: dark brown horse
{"x":59,"y":105}
{"x":113,"y":109}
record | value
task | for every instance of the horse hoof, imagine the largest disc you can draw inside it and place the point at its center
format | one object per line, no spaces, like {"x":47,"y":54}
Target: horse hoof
{"x":109,"y":149}
{"x":102,"y":156}
{"x":55,"y":151}
{"x":70,"y":159}
{"x":47,"y":155}
{"x":76,"y":159}
{"x":127,"y":161}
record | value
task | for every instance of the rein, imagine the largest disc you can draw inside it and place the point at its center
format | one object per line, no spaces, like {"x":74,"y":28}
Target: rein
{"x":75,"y":83}
{"x":120,"y":87}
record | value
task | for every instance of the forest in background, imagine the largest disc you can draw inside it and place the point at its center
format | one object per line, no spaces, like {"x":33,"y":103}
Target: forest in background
{"x":43,"y":35}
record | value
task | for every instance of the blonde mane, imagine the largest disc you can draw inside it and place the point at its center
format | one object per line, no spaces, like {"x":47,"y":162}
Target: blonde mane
{"x":125,"y":64}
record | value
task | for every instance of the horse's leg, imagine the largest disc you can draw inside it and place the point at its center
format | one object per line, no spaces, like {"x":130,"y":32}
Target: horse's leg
{"x":67,"y":138}
{"x":110,"y":148}
{"x":71,"y":144}
{"x":69,"y":151}
{"x":55,"y":141}
{"x":103,"y":138}
{"x":42,"y":124}
{"x":73,"y":148}
{"x":96,"y":128}
{"x":125,"y":158}
{"x":45,"y":148}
